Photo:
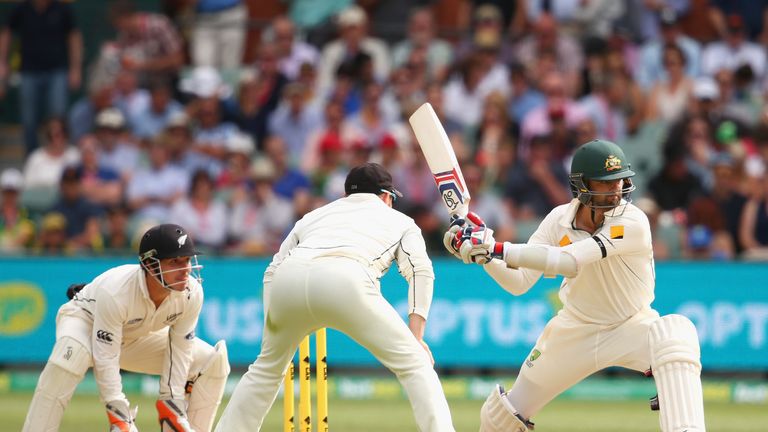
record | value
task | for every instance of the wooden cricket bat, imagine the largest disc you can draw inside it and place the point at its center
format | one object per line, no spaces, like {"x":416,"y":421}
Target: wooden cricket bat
{"x":441,"y":159}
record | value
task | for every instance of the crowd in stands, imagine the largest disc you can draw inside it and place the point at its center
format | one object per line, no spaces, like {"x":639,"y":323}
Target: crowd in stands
{"x":173,"y":127}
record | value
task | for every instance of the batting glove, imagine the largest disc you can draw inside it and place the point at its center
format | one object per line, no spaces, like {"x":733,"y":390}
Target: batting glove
{"x":121,"y":416}
{"x":172,"y":414}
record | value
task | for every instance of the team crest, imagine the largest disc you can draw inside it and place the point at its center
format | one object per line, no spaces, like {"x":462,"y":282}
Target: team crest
{"x":532,"y":358}
{"x":182,"y":240}
{"x":612,"y":163}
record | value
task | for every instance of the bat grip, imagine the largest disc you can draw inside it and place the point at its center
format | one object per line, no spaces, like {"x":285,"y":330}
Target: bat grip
{"x":475,"y":219}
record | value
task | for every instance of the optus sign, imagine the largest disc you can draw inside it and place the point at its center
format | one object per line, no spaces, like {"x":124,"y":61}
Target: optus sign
{"x":22,"y":308}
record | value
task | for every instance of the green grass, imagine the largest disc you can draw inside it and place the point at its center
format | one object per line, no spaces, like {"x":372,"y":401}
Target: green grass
{"x":86,"y":414}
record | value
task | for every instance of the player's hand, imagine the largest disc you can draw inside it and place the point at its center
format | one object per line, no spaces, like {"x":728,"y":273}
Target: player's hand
{"x":476,"y":244}
{"x":172,"y":414}
{"x":452,"y":239}
{"x":429,"y":351}
{"x":121,"y":416}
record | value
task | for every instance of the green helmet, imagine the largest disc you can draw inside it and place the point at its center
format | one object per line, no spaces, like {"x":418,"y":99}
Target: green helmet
{"x":599,"y":160}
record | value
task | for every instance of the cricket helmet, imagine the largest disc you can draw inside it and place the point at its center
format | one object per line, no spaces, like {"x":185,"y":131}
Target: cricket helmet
{"x":599,"y":160}
{"x":163,"y":242}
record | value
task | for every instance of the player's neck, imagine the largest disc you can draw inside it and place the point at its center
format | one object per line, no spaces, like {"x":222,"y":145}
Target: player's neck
{"x":157,"y":293}
{"x":588,"y":219}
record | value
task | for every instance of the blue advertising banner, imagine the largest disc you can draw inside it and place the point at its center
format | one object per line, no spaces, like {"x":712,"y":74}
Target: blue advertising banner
{"x":472,"y":323}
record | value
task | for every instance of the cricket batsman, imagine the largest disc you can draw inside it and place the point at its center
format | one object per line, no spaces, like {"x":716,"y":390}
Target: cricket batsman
{"x":138,"y":317}
{"x":601,"y":244}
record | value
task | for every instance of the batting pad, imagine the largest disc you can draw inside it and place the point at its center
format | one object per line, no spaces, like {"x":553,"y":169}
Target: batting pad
{"x":676,"y":368}
{"x":499,"y":415}
{"x":66,"y":367}
{"x":208,"y":389}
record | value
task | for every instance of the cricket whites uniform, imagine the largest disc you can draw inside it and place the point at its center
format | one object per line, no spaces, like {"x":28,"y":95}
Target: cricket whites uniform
{"x":326,"y":274}
{"x":117,"y":323}
{"x":116,"y":319}
{"x":606,"y":317}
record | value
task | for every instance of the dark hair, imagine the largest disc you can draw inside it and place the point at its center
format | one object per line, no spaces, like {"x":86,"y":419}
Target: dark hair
{"x":673,"y":47}
{"x":200,"y":175}
{"x":120,"y":8}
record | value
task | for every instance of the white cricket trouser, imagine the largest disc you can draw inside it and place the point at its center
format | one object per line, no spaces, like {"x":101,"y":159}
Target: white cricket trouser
{"x":571,"y":350}
{"x":218,"y":38}
{"x":335,"y":292}
{"x":143,"y":355}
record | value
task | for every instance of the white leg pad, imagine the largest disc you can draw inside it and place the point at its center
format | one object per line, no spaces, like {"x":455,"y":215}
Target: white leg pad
{"x":499,"y":415}
{"x":207,"y":390}
{"x":676,"y":365}
{"x":66,"y":367}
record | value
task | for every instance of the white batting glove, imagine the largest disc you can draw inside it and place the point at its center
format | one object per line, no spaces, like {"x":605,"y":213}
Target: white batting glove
{"x":452,"y":240}
{"x":121,"y":416}
{"x":172,"y":414}
{"x":478,"y":245}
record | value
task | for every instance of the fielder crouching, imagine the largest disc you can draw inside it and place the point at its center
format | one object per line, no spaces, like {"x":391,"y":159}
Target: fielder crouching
{"x":141,"y":318}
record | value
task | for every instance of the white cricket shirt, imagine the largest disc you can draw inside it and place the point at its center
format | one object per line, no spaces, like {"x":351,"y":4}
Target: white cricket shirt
{"x":363,"y":228}
{"x":117,"y":303}
{"x":616,"y":276}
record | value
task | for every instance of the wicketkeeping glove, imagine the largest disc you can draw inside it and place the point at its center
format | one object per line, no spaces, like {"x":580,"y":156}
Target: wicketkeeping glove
{"x":121,"y":416}
{"x":172,"y":414}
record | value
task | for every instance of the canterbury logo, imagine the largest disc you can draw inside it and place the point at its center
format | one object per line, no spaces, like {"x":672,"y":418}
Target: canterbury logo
{"x":612,"y":163}
{"x":182,"y":240}
{"x":104,"y":335}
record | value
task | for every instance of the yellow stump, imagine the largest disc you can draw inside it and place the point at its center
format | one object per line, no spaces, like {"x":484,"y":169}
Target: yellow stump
{"x":322,"y":381}
{"x":305,"y":389}
{"x":288,"y":396}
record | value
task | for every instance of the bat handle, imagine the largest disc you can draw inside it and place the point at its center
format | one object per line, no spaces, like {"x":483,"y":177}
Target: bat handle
{"x":475,"y":219}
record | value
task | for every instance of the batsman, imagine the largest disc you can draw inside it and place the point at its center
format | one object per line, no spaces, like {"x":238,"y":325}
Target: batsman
{"x":138,"y":317}
{"x":601,"y":243}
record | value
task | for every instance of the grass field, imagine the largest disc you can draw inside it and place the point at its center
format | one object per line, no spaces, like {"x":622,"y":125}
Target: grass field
{"x":85,"y":414}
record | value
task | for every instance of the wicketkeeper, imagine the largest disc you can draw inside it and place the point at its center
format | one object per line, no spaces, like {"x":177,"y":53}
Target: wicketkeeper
{"x":141,"y":318}
{"x":601,"y":243}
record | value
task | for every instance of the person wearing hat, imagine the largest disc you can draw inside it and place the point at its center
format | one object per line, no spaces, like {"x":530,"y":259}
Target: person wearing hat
{"x":138,"y":317}
{"x":601,"y":243}
{"x":338,"y":251}
{"x":353,"y":38}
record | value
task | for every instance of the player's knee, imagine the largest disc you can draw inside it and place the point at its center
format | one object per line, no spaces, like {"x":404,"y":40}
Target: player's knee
{"x":71,"y":356}
{"x":673,"y":338}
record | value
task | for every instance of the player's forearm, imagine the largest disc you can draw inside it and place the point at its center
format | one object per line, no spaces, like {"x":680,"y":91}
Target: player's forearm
{"x":417,"y":324}
{"x":515,"y":281}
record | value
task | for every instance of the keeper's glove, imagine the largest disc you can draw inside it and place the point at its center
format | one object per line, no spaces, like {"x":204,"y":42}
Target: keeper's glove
{"x":172,"y":415}
{"x":121,"y":416}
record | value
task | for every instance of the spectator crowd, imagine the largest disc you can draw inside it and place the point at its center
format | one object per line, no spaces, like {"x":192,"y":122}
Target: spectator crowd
{"x":175,"y":127}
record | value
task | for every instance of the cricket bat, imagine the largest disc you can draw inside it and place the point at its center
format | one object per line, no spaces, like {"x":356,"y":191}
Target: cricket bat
{"x":441,"y":159}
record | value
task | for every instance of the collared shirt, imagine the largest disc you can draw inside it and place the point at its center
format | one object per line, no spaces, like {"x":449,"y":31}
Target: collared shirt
{"x":616,"y":276}
{"x":118,"y":305}
{"x":363,"y":228}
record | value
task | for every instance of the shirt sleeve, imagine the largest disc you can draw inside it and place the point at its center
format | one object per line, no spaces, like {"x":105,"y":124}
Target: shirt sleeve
{"x":623,"y":237}
{"x":414,"y":265}
{"x":106,"y":340}
{"x":181,"y":336}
